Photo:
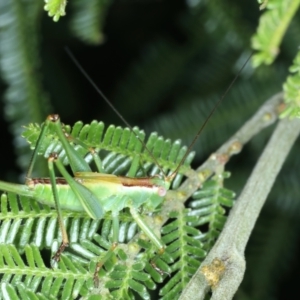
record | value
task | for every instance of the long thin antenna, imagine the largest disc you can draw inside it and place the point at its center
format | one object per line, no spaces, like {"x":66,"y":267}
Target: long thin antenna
{"x":208,"y":118}
{"x":131,"y":128}
{"x":90,"y":80}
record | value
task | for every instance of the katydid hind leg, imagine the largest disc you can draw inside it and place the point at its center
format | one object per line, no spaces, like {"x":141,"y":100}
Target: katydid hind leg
{"x":87,"y":198}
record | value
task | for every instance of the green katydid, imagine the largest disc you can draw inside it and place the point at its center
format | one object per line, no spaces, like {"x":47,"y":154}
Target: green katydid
{"x":94,"y":192}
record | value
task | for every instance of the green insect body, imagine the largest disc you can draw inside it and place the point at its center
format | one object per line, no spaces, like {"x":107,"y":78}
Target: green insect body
{"x":92,"y":192}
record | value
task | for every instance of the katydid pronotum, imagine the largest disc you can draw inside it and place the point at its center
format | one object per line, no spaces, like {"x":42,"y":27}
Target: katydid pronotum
{"x":94,"y":192}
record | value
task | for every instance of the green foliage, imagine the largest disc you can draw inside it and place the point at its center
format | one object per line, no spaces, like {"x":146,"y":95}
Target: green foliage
{"x":263,"y":3}
{"x":208,"y":205}
{"x":194,"y":48}
{"x":56,"y":8}
{"x":20,"y":58}
{"x":272,"y":27}
{"x":25,"y":222}
{"x":187,"y":251}
{"x":292,"y":90}
{"x":38,"y":281}
{"x":20,"y":68}
{"x":121,"y":147}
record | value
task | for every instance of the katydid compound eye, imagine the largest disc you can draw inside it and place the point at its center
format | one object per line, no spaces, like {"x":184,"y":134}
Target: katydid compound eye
{"x":161,"y":191}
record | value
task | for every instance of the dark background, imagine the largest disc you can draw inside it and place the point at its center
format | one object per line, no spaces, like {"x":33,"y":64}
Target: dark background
{"x":164,"y":64}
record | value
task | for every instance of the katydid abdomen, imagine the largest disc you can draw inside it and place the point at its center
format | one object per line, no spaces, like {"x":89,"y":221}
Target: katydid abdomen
{"x":42,"y":193}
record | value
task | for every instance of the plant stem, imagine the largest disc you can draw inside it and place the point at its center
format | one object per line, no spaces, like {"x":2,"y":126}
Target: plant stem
{"x":229,"y":248}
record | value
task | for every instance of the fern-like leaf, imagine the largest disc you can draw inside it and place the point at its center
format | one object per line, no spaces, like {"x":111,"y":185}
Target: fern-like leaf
{"x":55,"y":8}
{"x":185,"y":250}
{"x":263,"y":4}
{"x":208,"y":206}
{"x":126,"y":152}
{"x":292,"y":90}
{"x":37,"y":279}
{"x":134,"y":267}
{"x":272,"y":27}
{"x":19,"y":64}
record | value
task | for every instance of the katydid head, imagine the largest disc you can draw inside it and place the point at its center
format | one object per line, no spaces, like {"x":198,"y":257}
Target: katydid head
{"x":160,"y":186}
{"x":161,"y":183}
